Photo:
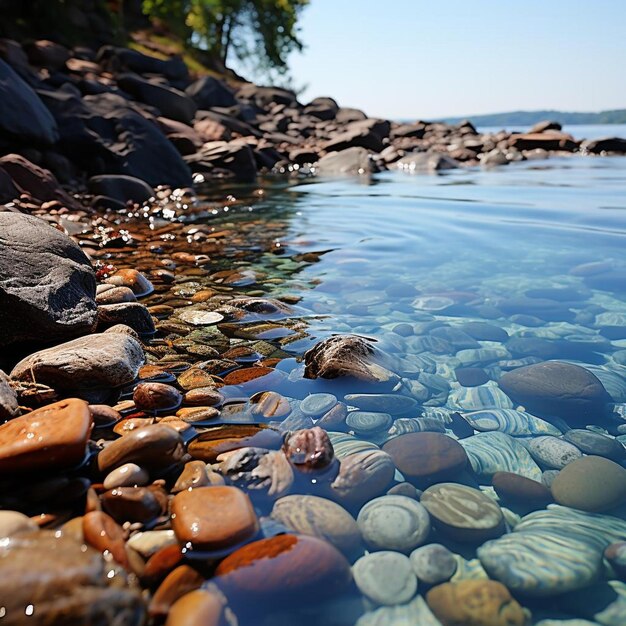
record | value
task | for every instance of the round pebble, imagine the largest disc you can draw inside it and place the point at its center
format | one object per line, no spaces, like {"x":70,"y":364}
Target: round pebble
{"x":463,"y":513}
{"x":394,"y":523}
{"x":519,"y":489}
{"x":367,"y":423}
{"x":157,"y":397}
{"x":199,"y":318}
{"x":385,"y":577}
{"x":591,"y":483}
{"x":552,"y":452}
{"x":596,"y":444}
{"x":433,"y":564}
{"x":317,"y":404}
{"x":127,"y":475}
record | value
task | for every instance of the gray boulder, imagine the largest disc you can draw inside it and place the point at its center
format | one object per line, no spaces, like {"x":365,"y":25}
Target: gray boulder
{"x":47,"y":284}
{"x":98,"y":361}
{"x":22,"y":114}
{"x":349,"y":162}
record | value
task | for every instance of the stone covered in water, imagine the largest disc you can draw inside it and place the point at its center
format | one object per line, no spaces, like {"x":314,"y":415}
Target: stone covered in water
{"x":553,"y":453}
{"x":385,"y":577}
{"x":475,"y":603}
{"x":433,"y":563}
{"x":511,"y":422}
{"x":394,"y":523}
{"x":555,"y":389}
{"x":518,"y":489}
{"x":463,"y":513}
{"x":366,"y":424}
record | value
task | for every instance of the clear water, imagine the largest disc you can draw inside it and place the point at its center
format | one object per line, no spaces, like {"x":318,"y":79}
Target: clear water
{"x":468,"y":245}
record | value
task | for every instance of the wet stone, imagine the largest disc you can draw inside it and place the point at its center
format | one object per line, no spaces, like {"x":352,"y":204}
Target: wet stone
{"x":433,"y":563}
{"x":385,"y":577}
{"x":424,"y":458}
{"x":216,"y":519}
{"x":127,"y":475}
{"x":50,"y":438}
{"x":194,"y":475}
{"x":316,"y":404}
{"x":319,"y":517}
{"x":269,"y":405}
{"x":366,"y":424}
{"x":393,"y":404}
{"x":394,"y":523}
{"x":102,"y":532}
{"x":591,"y":483}
{"x":309,"y":449}
{"x":203,"y":396}
{"x":475,"y":603}
{"x":596,"y":444}
{"x":15,"y":523}
{"x":287,"y":568}
{"x":463,"y":513}
{"x":553,"y":453}
{"x":471,"y":376}
{"x":156,"y":397}
{"x":518,"y":489}
{"x":134,"y":504}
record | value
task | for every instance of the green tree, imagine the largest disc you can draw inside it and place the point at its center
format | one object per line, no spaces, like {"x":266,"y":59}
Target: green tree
{"x":260,"y":33}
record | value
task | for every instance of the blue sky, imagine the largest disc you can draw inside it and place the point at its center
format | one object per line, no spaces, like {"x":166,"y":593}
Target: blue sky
{"x":435,"y":58}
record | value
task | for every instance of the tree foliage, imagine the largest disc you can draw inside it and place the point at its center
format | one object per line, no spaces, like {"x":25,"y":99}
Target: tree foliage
{"x":263,"y":32}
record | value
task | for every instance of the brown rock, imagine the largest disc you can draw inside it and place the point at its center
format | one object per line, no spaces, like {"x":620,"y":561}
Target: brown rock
{"x":515,"y":488}
{"x":103,"y":415}
{"x":197,"y":608}
{"x":102,"y":532}
{"x":426,"y":458}
{"x":285,"y":567}
{"x":475,"y":603}
{"x":155,"y":446}
{"x":157,"y":397}
{"x":215,"y":441}
{"x":178,"y":583}
{"x":132,"y":279}
{"x":50,"y":438}
{"x":160,"y":564}
{"x":134,"y":504}
{"x":309,"y":449}
{"x":213,"y":518}
{"x":194,"y":475}
{"x":241,"y":376}
{"x":194,"y":378}
{"x":197,"y":414}
{"x":269,"y":404}
{"x":203,"y":396}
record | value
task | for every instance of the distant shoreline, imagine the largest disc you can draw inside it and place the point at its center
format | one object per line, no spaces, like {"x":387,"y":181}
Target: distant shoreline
{"x":528,"y":118}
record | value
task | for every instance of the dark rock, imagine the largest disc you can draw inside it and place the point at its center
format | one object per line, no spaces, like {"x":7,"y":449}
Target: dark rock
{"x":209,"y":92}
{"x":555,"y":389}
{"x":48,"y":54}
{"x":351,"y":162}
{"x":361,"y":137}
{"x":611,"y":280}
{"x":121,"y":188}
{"x":426,"y":162}
{"x":471,"y":376}
{"x":546,"y":140}
{"x":234,"y":157}
{"x":132,"y":314}
{"x":264,"y":96}
{"x":22,"y":114}
{"x":106,"y":133}
{"x":171,"y":102}
{"x":605,"y":144}
{"x":519,"y":489}
{"x":47,"y":285}
{"x":116,"y":59}
{"x":9,"y":407}
{"x":322,"y":108}
{"x":482,"y":331}
{"x":8,"y":191}
{"x":346,"y":115}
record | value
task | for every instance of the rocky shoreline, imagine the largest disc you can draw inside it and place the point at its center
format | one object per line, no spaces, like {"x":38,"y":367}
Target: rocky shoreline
{"x":154,"y":466}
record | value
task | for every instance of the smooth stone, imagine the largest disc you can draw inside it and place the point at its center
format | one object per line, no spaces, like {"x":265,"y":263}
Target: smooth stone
{"x":393,"y":404}
{"x":101,"y":360}
{"x":554,"y":389}
{"x":103,"y":533}
{"x":149,"y":542}
{"x":413,"y":613}
{"x":126,"y":475}
{"x":362,"y":476}
{"x":518,"y":489}
{"x":615,"y":554}
{"x":553,"y":453}
{"x":591,"y":483}
{"x":156,"y":397}
{"x":213,"y":442}
{"x":486,"y":396}
{"x":433,"y":563}
{"x":394,"y":523}
{"x":213,"y":518}
{"x":345,"y":444}
{"x":194,"y":475}
{"x":287,"y":567}
{"x":134,"y":504}
{"x":511,"y":422}
{"x":199,"y":607}
{"x":316,"y":404}
{"x":319,"y":517}
{"x":497,"y":452}
{"x":471,"y":376}
{"x":426,"y":457}
{"x":197,"y":317}
{"x":475,"y":603}
{"x":385,"y":577}
{"x":366,"y":423}
{"x":133,"y":279}
{"x":483,"y":331}
{"x":463,"y":513}
{"x":596,"y":444}
{"x":203,"y":396}
{"x":181,"y":580}
{"x":15,"y":523}
{"x":604,"y":602}
{"x":155,"y":446}
{"x":551,"y":551}
{"x":50,"y":438}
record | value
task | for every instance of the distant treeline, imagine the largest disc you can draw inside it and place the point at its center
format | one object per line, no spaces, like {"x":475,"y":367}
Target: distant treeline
{"x":528,"y":118}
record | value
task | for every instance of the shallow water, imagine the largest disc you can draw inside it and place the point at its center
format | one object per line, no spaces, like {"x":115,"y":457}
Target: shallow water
{"x":509,"y":247}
